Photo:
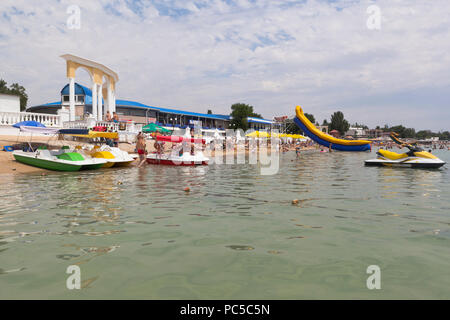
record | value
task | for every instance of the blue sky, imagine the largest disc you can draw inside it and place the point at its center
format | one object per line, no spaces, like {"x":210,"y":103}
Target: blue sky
{"x":273,"y":54}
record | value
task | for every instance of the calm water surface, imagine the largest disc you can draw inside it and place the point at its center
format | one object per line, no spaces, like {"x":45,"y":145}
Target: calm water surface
{"x":135,"y":233}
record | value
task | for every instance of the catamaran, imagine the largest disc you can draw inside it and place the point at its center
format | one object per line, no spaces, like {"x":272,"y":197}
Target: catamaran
{"x":178,"y":156}
{"x":57,"y":160}
{"x":114,"y":156}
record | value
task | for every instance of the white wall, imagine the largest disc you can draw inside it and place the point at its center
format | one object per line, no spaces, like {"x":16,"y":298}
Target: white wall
{"x":9,"y":103}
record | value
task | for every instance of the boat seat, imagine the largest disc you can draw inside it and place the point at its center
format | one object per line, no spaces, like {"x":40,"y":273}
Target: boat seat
{"x":392,"y":155}
{"x":45,"y":152}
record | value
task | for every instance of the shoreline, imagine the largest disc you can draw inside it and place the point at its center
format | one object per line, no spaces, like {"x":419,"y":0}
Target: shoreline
{"x":8,"y":165}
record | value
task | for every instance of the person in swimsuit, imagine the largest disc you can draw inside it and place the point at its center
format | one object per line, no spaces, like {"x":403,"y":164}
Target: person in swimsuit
{"x":141,"y":147}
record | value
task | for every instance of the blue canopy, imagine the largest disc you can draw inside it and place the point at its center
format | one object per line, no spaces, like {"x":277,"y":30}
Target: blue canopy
{"x":73,"y":131}
{"x":29,"y":124}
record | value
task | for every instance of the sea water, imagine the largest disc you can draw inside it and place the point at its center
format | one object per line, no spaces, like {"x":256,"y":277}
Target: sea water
{"x":136,"y":233}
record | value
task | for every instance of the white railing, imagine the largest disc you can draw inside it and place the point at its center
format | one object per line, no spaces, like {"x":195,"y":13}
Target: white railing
{"x":78,"y":124}
{"x":111,"y":126}
{"x":49,"y":120}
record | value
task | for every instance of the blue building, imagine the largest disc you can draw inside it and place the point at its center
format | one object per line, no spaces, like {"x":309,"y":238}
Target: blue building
{"x":142,"y":113}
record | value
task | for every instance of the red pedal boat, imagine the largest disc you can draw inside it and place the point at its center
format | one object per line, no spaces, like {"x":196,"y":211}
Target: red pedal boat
{"x":176,"y":157}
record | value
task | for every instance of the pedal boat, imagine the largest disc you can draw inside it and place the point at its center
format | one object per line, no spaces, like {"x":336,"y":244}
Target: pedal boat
{"x":58,"y":160}
{"x":175,"y":160}
{"x":114,"y":156}
{"x":178,"y":157}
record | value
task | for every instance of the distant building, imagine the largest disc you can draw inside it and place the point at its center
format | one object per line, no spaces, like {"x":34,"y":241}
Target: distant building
{"x":324,"y":129}
{"x":356,"y":132}
{"x":9,"y":103}
{"x":143,"y":114}
{"x":259,"y":124}
{"x":377,"y":133}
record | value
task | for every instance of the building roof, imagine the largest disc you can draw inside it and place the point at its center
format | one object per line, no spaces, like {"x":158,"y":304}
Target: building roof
{"x":258,"y":120}
{"x":79,"y":90}
{"x":51,"y":104}
{"x":82,"y":90}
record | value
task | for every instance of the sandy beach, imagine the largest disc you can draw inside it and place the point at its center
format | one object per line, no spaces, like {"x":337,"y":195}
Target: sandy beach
{"x":8,"y":165}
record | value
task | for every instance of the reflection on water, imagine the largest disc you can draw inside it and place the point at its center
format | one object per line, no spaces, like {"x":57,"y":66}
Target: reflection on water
{"x":135,"y":233}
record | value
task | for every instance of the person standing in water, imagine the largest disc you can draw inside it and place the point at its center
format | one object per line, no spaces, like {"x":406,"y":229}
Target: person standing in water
{"x":141,"y":148}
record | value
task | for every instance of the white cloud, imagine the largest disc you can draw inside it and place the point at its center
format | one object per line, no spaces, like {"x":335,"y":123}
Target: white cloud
{"x":271,"y":54}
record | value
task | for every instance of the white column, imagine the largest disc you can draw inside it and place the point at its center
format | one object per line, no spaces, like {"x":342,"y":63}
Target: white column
{"x":110,"y":100}
{"x":94,"y":101}
{"x":113,"y":108}
{"x":100,"y":103}
{"x":72,"y":99}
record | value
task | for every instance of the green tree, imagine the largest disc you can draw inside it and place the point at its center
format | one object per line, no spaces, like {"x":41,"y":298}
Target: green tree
{"x":339,"y":123}
{"x":15,"y":89}
{"x":239,"y":114}
{"x":409,"y":133}
{"x":398,"y":129}
{"x":424,"y":134}
{"x":310,"y":118}
{"x":292,"y":128}
{"x":363,"y":126}
{"x":3,"y":86}
{"x":444,"y":135}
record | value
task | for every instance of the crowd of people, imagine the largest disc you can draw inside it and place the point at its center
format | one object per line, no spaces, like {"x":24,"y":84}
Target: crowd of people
{"x":250,"y":145}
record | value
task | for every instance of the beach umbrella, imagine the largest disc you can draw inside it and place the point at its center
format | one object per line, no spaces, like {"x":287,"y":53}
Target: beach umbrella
{"x":298,"y":136}
{"x":279,"y":135}
{"x":153,"y":127}
{"x":253,"y":134}
{"x":29,"y":124}
{"x":259,"y":134}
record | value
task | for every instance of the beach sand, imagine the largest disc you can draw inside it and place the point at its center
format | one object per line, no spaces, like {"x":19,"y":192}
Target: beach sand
{"x":8,"y":165}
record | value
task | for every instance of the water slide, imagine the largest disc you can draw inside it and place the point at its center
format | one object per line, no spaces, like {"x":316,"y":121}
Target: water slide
{"x":324,"y":139}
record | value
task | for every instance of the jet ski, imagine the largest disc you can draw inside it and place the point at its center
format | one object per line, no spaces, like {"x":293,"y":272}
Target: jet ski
{"x":416,"y":157}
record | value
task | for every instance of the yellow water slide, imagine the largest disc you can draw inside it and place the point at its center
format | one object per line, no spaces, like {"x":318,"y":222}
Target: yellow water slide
{"x":325,"y":139}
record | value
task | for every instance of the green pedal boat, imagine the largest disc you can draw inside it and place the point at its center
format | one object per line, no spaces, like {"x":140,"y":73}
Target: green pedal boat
{"x":59,"y":160}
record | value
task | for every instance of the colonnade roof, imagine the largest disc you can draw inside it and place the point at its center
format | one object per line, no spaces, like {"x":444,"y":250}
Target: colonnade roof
{"x":83,"y":90}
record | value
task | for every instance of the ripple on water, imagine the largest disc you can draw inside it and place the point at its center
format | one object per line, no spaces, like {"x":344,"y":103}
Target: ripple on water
{"x":143,"y":226}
